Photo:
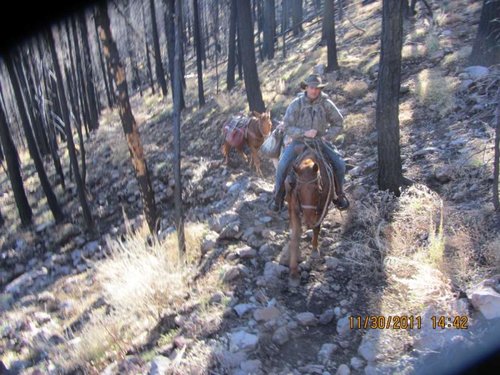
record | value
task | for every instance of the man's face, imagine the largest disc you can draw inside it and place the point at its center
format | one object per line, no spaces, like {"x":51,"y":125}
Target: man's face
{"x":313,"y":92}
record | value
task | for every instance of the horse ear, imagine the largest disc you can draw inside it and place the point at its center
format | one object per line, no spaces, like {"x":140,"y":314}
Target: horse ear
{"x":256,"y":114}
{"x":315,"y":168}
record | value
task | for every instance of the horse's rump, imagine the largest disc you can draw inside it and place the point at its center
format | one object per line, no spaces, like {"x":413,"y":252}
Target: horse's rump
{"x":235,"y":129}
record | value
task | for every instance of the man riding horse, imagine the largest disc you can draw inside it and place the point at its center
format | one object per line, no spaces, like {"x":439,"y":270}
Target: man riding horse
{"x":311,"y":115}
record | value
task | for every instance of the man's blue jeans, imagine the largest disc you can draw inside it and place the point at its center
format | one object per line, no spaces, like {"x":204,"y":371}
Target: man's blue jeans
{"x":288,"y":156}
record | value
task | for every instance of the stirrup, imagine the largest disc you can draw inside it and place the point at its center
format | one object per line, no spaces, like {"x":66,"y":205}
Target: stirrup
{"x":342,"y":203}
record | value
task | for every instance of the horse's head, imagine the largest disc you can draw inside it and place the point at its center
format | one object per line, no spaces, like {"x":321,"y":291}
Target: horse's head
{"x":265,"y":123}
{"x":307,"y":185}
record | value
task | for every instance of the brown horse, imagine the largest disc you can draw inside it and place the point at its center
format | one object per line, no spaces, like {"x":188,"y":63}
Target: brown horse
{"x":310,"y":188}
{"x":256,"y":129}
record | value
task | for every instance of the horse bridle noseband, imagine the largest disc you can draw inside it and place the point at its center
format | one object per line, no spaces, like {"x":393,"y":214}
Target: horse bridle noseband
{"x":308,"y":182}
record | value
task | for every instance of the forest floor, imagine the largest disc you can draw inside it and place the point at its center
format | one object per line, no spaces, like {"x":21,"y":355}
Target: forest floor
{"x":123,"y":303}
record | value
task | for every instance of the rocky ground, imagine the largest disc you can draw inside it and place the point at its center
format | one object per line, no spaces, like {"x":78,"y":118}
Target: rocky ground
{"x":253,"y":323}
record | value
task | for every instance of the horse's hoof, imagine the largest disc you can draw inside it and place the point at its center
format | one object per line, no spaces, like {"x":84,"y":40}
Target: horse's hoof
{"x":315,"y":254}
{"x":294,"y":282}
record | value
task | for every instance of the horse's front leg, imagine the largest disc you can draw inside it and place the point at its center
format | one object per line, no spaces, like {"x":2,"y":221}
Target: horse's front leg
{"x":315,"y":251}
{"x":256,"y":161}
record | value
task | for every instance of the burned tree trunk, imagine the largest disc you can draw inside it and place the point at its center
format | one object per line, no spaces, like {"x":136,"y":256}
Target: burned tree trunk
{"x":179,"y":214}
{"x":329,"y":27}
{"x":12,"y":160}
{"x":127,"y":118}
{"x":390,"y":175}
{"x":231,"y":48}
{"x":251,"y":76}
{"x":11,"y":62}
{"x":160,"y":74}
{"x":269,"y":29}
{"x":80,"y":188}
{"x":199,"y":53}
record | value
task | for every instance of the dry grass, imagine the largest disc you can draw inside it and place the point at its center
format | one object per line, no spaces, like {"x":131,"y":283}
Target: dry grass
{"x":435,"y":91}
{"x":357,"y":126}
{"x":355,"y":89}
{"x":413,"y":52}
{"x":458,"y":57}
{"x":139,"y":283}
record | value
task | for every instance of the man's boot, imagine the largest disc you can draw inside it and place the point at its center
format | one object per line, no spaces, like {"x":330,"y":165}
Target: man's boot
{"x":277,"y":202}
{"x":342,"y":203}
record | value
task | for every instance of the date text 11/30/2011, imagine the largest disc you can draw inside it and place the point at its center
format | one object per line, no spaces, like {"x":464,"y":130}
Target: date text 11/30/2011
{"x":407,"y":322}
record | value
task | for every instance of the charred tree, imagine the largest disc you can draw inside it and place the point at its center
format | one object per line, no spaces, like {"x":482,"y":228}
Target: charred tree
{"x":297,"y":16}
{"x":251,"y":76}
{"x":486,"y":48}
{"x":14,"y":75}
{"x":390,"y":175}
{"x":89,"y":73}
{"x":269,"y":29}
{"x":331,"y":44}
{"x":199,"y":53}
{"x":160,"y":74}
{"x":127,"y":118}
{"x":108,"y":86}
{"x":231,"y":48}
{"x":179,"y":214}
{"x":148,"y":59}
{"x":80,"y":188}
{"x":13,"y":167}
{"x":496,"y":162}
{"x":171,"y":32}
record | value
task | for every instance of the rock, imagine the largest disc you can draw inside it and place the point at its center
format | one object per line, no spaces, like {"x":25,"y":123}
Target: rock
{"x":281,"y":336}
{"x":242,"y":340}
{"x":443,"y":175}
{"x":343,"y":370}
{"x":209,"y":242}
{"x":242,"y":308}
{"x":343,"y":326}
{"x":312,"y":369}
{"x":265,"y":219}
{"x":368,"y":348}
{"x":246,"y":252}
{"x":284,"y":258}
{"x":486,"y":299}
{"x":91,"y":248}
{"x":273,"y":271}
{"x":326,"y":351}
{"x":266,"y":251}
{"x":231,"y":360}
{"x":232,"y":273}
{"x":357,"y":363}
{"x":331,"y":262}
{"x":6,"y":301}
{"x":307,"y":319}
{"x":251,"y":366}
{"x":41,"y":317}
{"x":356,"y":171}
{"x":477,"y":72}
{"x":159,"y":365}
{"x":25,"y":280}
{"x":216,"y":297}
{"x":266,"y":314}
{"x":326,"y":317}
{"x":424,"y":151}
{"x":219,"y":222}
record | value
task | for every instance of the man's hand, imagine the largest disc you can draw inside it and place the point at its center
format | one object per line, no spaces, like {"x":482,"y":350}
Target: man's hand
{"x":311,"y":133}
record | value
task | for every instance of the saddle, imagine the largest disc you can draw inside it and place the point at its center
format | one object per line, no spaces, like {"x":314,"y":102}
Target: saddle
{"x":235,"y":130}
